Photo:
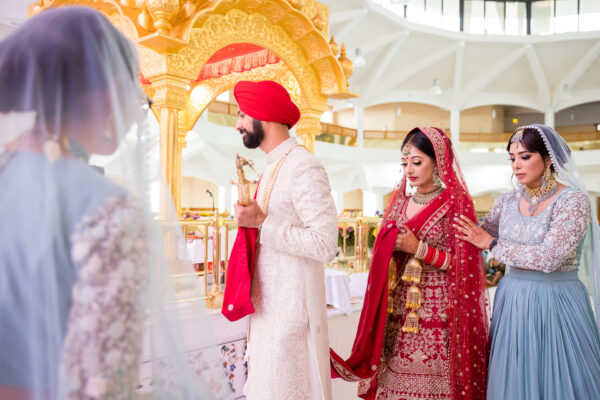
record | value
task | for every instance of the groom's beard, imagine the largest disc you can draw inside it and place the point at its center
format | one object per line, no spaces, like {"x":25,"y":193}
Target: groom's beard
{"x":253,"y":138}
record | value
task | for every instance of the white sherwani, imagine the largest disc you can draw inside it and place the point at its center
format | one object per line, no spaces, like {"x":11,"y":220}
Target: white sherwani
{"x":288,"y":348}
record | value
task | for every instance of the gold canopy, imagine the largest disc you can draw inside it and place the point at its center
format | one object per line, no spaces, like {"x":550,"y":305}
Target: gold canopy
{"x":176,"y":38}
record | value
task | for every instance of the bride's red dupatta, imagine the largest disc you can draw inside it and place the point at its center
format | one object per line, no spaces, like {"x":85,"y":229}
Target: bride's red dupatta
{"x":468,"y":323}
{"x":368,"y":345}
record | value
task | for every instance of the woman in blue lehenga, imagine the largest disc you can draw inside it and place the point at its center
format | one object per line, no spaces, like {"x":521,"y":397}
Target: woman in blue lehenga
{"x":545,"y":340}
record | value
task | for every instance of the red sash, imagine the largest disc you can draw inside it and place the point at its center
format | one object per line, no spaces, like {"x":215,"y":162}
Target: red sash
{"x":366,"y":355}
{"x":238,"y":283}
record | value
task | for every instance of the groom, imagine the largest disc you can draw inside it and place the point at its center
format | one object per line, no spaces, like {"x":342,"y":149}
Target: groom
{"x":288,"y":352}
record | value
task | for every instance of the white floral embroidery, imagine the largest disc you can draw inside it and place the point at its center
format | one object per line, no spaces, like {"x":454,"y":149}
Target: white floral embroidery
{"x":545,"y":242}
{"x":102,"y":345}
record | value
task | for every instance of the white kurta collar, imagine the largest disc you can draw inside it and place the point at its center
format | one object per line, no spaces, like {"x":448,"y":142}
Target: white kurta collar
{"x":280,"y":150}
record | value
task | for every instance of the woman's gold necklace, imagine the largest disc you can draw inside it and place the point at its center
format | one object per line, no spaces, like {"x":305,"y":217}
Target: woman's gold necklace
{"x":534,"y":196}
{"x":427,"y":197}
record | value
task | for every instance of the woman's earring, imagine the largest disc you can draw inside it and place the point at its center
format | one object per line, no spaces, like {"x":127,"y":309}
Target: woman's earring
{"x":437,"y":182}
{"x":547,"y":177}
{"x":53,"y":147}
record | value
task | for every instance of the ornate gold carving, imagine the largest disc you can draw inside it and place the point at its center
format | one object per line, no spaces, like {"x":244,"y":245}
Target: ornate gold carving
{"x":319,"y":22}
{"x":175,"y":39}
{"x":335,"y":48}
{"x":346,"y":63}
{"x":309,"y":126}
{"x":297,"y":4}
{"x":162,"y":11}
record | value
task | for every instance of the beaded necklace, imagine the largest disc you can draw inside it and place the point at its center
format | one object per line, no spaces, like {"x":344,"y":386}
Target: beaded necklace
{"x":264,"y":204}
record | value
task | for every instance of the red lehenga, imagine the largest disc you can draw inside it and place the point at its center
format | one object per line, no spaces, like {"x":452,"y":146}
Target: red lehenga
{"x":447,"y":358}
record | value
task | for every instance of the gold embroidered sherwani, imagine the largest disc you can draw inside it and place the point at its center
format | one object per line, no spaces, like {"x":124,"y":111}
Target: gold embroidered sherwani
{"x":288,"y":349}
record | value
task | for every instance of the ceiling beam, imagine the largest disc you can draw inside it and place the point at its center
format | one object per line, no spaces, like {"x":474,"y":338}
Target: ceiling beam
{"x":340,"y":35}
{"x":342,"y":16}
{"x":459,"y":62}
{"x":382,"y":67}
{"x":395,"y":78}
{"x":489,"y":74}
{"x":540,"y":77}
{"x":575,"y":73}
{"x":371,"y":45}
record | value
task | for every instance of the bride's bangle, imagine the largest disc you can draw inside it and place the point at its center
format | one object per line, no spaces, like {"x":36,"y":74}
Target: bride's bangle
{"x":421,"y":250}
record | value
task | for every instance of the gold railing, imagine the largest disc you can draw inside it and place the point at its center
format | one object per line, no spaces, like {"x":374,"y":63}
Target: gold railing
{"x":214,"y":234}
{"x":356,"y":237}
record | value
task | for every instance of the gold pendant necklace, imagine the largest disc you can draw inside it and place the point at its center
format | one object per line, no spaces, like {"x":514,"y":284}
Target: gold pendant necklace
{"x":534,"y":196}
{"x":427,"y":197}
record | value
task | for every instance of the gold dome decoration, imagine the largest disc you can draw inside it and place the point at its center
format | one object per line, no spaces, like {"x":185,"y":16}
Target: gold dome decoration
{"x":318,"y":21}
{"x":335,"y":48}
{"x":346,"y":63}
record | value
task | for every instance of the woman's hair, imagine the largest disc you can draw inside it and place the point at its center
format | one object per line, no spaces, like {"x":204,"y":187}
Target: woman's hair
{"x":420,"y":141}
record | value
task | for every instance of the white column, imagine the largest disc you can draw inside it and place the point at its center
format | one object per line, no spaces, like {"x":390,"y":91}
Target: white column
{"x":233,"y":193}
{"x":359,"y":113}
{"x":338,"y":198}
{"x":224,"y":199}
{"x":379,"y":194}
{"x":455,"y":127}
{"x":369,"y":203}
{"x":549,"y":118}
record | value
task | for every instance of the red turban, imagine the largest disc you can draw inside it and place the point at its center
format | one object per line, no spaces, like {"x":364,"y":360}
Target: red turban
{"x":266,"y":101}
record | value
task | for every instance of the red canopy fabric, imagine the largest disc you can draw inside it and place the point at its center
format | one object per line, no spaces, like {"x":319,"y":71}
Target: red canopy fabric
{"x":237,"y":57}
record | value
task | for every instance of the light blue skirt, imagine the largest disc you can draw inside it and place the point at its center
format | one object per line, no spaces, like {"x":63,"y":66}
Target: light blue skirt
{"x":545,"y":342}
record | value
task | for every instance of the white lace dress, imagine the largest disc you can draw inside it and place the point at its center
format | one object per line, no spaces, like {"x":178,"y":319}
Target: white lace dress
{"x":101,"y":354}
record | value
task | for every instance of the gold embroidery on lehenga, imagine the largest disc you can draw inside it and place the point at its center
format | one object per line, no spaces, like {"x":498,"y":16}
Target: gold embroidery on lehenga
{"x":416,"y":365}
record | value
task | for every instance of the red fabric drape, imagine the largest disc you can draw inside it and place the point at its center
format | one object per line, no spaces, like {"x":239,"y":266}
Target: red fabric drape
{"x":236,"y":300}
{"x":237,"y":58}
{"x":238,"y":283}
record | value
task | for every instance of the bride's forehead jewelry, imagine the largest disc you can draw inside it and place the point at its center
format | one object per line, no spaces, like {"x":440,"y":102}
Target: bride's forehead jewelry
{"x":517,"y":137}
{"x":406,"y":151}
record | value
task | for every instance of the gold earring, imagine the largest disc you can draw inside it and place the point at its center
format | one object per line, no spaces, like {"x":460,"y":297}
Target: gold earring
{"x":547,"y":178}
{"x":437,"y":182}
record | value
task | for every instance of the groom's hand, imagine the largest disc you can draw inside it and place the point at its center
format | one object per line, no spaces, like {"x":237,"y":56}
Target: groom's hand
{"x":250,"y":216}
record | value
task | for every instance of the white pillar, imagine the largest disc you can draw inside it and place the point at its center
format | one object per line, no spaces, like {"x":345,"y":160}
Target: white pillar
{"x":224,"y":199}
{"x":233,"y":197}
{"x":379,"y":194}
{"x":359,"y":113}
{"x":369,"y":203}
{"x":549,"y":118}
{"x":455,"y":127}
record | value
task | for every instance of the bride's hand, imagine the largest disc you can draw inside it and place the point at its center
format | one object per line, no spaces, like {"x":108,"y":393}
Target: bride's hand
{"x":406,"y":241}
{"x":470,"y":232}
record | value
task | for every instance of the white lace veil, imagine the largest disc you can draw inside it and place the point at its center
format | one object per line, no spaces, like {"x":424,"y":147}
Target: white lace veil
{"x":564,"y":164}
{"x":69,"y":89}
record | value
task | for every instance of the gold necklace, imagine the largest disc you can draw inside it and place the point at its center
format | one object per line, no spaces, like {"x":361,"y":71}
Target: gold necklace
{"x":534,"y":196}
{"x":427,"y":197}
